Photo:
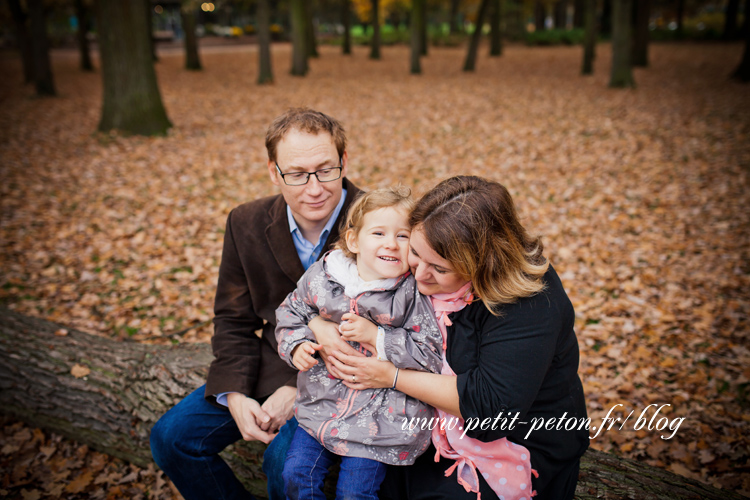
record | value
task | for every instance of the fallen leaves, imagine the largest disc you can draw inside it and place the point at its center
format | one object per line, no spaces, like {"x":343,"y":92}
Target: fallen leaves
{"x":641,"y":196}
{"x":80,"y":371}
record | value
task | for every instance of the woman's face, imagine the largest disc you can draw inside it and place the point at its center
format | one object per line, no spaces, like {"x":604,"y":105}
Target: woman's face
{"x":433,"y":273}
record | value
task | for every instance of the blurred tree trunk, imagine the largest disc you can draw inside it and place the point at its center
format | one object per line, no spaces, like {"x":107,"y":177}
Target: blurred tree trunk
{"x":730,"y":20}
{"x":82,"y":14}
{"x":680,"y":15}
{"x":346,"y":21}
{"x":579,"y":14}
{"x":22,"y":39}
{"x":622,"y":70}
{"x":312,"y":41}
{"x":122,"y":388}
{"x":375,"y":42}
{"x":188,"y":13}
{"x":496,"y":34}
{"x":45,"y":85}
{"x":561,"y":14}
{"x":423,"y":29}
{"x":454,"y":28}
{"x":640,"y":32}
{"x":299,"y":39}
{"x":132,"y":102}
{"x":742,"y":73}
{"x":265,"y":73}
{"x":471,"y":55}
{"x":150,"y":27}
{"x":416,"y":35}
{"x":589,"y":42}
{"x":605,"y":26}
{"x":540,"y":15}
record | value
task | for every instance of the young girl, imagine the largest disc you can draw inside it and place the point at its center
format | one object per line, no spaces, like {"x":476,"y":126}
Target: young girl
{"x":365,"y":284}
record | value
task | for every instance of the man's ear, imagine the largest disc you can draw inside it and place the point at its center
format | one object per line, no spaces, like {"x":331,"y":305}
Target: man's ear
{"x":344,"y":163}
{"x":351,"y":241}
{"x":275,"y":177}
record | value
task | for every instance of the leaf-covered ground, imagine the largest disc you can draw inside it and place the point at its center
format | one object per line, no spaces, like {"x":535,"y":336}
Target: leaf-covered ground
{"x":642,"y":196}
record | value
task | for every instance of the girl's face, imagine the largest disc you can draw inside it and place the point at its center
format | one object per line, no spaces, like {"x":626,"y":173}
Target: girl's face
{"x":382,"y":244}
{"x":433,"y":273}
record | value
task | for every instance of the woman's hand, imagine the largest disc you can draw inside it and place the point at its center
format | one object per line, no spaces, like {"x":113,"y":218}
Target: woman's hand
{"x":358,"y":329}
{"x":328,"y":336}
{"x":360,"y":372}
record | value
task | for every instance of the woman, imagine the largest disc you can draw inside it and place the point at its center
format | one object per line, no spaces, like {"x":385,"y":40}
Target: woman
{"x":512,"y":348}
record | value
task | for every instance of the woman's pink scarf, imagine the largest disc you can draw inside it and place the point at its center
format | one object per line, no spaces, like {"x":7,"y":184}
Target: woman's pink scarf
{"x":504,"y":465}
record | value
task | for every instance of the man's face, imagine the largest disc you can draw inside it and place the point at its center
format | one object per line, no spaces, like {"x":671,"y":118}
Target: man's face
{"x":312,"y":203}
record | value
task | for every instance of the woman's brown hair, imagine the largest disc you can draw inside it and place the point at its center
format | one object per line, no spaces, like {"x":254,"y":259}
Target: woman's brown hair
{"x":472,"y":223}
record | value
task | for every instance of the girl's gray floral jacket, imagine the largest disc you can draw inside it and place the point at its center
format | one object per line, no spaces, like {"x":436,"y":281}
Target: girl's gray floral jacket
{"x":371,"y":423}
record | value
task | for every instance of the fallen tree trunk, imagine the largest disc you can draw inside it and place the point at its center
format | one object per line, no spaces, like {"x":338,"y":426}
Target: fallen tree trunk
{"x":108,"y":395}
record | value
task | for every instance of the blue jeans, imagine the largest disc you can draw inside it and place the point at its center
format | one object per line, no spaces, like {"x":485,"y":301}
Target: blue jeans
{"x":307,"y":465}
{"x":186,"y":442}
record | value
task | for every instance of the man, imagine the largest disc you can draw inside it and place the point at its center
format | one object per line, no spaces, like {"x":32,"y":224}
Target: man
{"x":268,"y":244}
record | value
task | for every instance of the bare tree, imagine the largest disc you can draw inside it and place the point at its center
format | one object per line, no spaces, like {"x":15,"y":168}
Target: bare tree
{"x":188,"y":13}
{"x":22,"y":39}
{"x":265,"y":73}
{"x":496,"y":35}
{"x":589,"y":42}
{"x":375,"y":42}
{"x":82,"y":15}
{"x":45,"y":85}
{"x":471,"y":55}
{"x":299,"y":39}
{"x":622,"y":69}
{"x":640,"y":32}
{"x":416,"y":35}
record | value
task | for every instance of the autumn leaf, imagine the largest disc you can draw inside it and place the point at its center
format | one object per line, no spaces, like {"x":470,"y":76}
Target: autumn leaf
{"x":80,"y":371}
{"x":80,"y":483}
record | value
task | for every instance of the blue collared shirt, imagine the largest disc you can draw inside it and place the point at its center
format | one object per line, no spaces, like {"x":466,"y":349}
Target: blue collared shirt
{"x":307,"y":251}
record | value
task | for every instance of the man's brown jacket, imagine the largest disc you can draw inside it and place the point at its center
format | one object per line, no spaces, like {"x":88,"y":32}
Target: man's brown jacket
{"x":259,"y":268}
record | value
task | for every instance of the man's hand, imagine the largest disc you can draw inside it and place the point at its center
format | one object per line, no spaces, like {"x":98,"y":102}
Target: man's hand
{"x":303,"y":355}
{"x":248,"y":415}
{"x":280,"y":407}
{"x":358,"y":329}
{"x":328,"y":336}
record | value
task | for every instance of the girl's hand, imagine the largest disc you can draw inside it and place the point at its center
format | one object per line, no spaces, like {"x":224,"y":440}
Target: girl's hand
{"x":328,"y":336}
{"x":303,"y":355}
{"x":358,"y":329}
{"x":359,"y":372}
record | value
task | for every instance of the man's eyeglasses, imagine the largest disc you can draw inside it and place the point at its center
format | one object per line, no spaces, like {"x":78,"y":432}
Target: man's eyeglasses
{"x":302,"y":178}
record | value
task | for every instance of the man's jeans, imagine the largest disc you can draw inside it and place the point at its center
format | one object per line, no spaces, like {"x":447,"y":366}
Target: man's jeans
{"x":186,"y":442}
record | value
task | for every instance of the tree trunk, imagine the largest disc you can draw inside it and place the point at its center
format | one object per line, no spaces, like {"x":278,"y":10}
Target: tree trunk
{"x":589,"y":42}
{"x":148,"y":19}
{"x":540,"y":15}
{"x":423,"y":28}
{"x":640,"y":33}
{"x":22,"y":39}
{"x":45,"y":85}
{"x":622,"y":70}
{"x":416,"y":35}
{"x":132,"y":102}
{"x":454,"y":28}
{"x":496,"y":35}
{"x":82,"y":15}
{"x":561,"y":14}
{"x":579,"y":14}
{"x":346,"y":21}
{"x":471,"y":55}
{"x":605,"y":27}
{"x":189,"y":21}
{"x":375,"y":42}
{"x":299,"y":51}
{"x":742,"y":73}
{"x":730,"y":20}
{"x":312,"y":41}
{"x":265,"y":73}
{"x":680,"y":15}
{"x":122,"y":388}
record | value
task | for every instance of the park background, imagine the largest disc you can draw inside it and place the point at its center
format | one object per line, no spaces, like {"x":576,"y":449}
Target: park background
{"x":641,"y":194}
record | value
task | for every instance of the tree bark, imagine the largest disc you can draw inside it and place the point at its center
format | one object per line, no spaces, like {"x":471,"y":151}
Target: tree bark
{"x":561,"y":14}
{"x":640,"y":33}
{"x":454,"y":28}
{"x":471,"y":55}
{"x":45,"y":85}
{"x":346,"y":21}
{"x":540,"y":15}
{"x":132,"y":102}
{"x":148,"y":20}
{"x":680,"y":15}
{"x":375,"y":42}
{"x":622,"y":70}
{"x":589,"y":42}
{"x":188,"y":15}
{"x":730,"y":20}
{"x":605,"y":27}
{"x":22,"y":39}
{"x":416,"y":35}
{"x":299,"y":40}
{"x":129,"y":386}
{"x":265,"y":73}
{"x":423,"y":29}
{"x":579,"y":14}
{"x":496,"y":35}
{"x":742,"y":73}
{"x":82,"y":15}
{"x":312,"y":41}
